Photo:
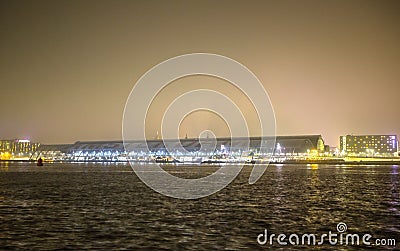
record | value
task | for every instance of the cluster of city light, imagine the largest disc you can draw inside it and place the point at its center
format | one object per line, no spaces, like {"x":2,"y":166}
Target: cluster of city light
{"x":114,"y":151}
{"x":19,"y":149}
{"x":222,"y":153}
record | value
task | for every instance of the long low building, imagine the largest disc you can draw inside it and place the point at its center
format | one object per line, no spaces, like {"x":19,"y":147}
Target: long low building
{"x":203,"y":148}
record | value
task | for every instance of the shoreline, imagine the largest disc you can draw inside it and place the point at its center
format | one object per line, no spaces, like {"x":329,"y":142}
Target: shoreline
{"x":291,"y":162}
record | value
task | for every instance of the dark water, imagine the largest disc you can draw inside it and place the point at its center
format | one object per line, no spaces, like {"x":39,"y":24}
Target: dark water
{"x":100,"y":206}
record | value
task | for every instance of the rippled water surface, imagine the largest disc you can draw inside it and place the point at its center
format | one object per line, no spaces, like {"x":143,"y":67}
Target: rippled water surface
{"x":105,"y":206}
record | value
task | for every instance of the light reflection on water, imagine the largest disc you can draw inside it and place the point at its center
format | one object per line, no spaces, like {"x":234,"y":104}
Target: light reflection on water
{"x":103,"y":206}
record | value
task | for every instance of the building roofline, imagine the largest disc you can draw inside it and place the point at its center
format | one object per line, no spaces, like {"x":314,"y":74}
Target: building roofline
{"x":191,"y":139}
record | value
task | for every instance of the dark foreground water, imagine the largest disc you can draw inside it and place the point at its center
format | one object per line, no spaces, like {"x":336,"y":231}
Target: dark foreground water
{"x":106,"y":207}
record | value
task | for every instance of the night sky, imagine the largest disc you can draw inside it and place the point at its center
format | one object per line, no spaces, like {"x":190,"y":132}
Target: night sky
{"x":67,"y":67}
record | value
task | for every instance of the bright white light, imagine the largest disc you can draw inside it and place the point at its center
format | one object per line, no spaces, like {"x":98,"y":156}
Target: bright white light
{"x":23,"y":140}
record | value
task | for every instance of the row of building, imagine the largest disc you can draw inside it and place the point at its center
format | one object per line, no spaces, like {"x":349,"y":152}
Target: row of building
{"x":290,"y":147}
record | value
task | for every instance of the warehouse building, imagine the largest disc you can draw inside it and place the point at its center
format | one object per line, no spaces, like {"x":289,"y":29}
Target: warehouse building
{"x":188,"y":149}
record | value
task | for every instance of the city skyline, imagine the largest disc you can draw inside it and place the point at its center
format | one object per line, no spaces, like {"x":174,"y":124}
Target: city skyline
{"x":330,"y":68}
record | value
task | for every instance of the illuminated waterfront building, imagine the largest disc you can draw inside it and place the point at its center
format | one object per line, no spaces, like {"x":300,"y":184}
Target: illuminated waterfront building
{"x":195,"y":148}
{"x":18,"y":148}
{"x":369,"y":145}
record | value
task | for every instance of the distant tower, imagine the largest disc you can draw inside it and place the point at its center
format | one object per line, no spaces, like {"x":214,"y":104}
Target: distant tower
{"x":186,"y":137}
{"x":157,"y":136}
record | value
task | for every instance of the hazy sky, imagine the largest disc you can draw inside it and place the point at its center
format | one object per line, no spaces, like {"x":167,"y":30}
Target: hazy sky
{"x":67,"y":67}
